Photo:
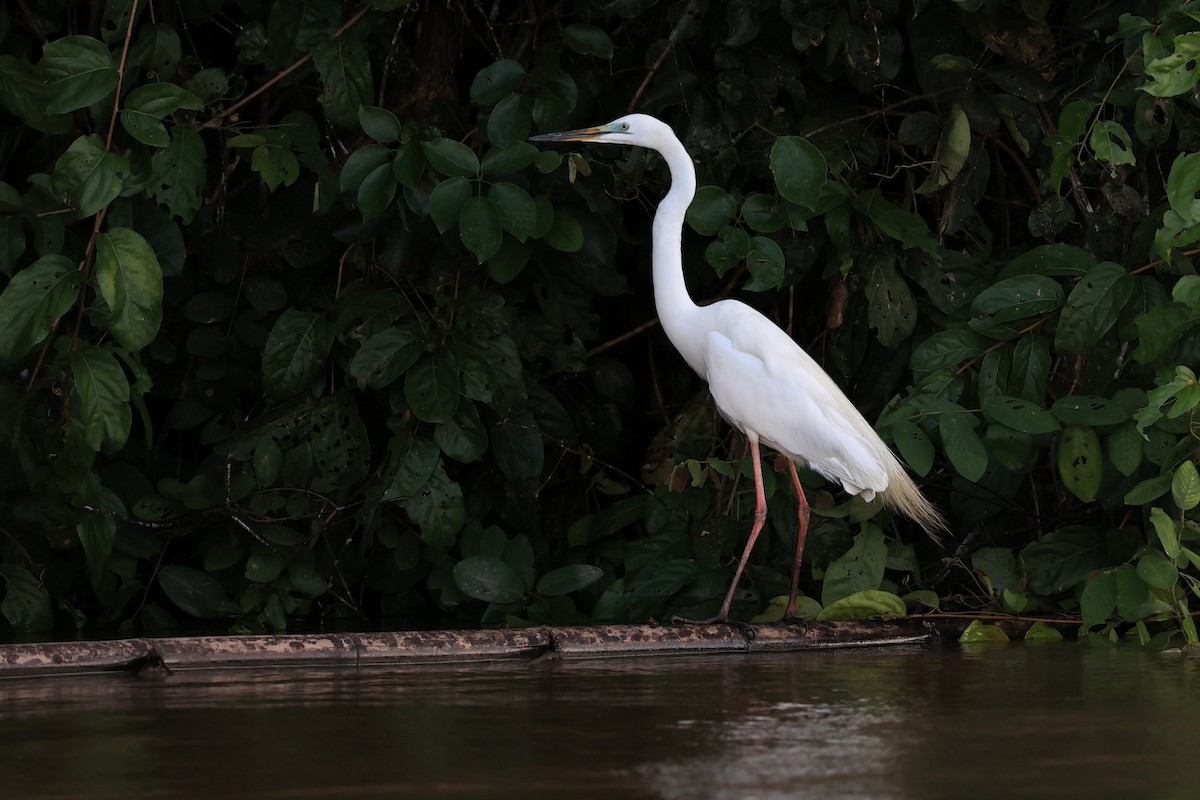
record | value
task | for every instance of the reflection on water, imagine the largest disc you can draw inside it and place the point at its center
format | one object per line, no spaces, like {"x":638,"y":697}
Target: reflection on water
{"x":1020,"y":721}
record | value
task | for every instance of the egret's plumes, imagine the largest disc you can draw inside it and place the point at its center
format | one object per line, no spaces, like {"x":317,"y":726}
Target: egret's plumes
{"x":763,"y":383}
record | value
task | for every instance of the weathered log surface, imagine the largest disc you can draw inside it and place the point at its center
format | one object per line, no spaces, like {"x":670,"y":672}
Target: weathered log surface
{"x":357,"y":650}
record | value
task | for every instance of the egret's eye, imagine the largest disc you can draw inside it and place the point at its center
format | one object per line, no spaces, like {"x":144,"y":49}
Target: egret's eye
{"x":624,"y":126}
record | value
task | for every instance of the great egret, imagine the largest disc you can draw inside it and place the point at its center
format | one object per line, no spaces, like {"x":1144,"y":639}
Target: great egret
{"x":763,"y":383}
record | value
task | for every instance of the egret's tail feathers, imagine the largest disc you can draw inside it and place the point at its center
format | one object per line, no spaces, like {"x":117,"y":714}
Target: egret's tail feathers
{"x":903,"y":495}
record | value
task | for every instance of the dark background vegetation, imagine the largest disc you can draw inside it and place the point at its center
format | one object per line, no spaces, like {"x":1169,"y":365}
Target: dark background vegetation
{"x":298,"y":330}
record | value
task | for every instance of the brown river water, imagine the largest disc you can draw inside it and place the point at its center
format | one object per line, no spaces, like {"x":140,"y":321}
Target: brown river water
{"x":1015,"y":721}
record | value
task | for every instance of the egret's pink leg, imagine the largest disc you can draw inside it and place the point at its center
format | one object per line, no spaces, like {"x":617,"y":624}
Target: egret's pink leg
{"x":760,"y":516}
{"x":801,"y":534}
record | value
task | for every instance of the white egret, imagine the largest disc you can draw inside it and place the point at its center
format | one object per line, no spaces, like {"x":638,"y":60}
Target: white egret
{"x":763,"y":383}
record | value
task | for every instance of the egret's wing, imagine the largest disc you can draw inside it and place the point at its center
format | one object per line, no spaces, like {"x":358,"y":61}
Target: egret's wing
{"x":765,"y":384}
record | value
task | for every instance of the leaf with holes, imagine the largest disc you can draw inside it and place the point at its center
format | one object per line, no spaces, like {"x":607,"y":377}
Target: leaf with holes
{"x":914,"y":445}
{"x":1019,"y":414}
{"x":32,"y":303}
{"x":89,"y":175}
{"x":177,"y":174}
{"x":859,"y":569}
{"x":891,"y":310}
{"x":346,"y":79}
{"x":1092,"y":307}
{"x":1080,"y":462}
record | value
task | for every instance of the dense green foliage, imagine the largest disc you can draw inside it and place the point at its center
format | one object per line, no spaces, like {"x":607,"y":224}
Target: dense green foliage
{"x":296,"y":326}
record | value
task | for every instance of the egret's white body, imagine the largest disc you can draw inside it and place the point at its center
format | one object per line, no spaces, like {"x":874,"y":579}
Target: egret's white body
{"x":763,"y":383}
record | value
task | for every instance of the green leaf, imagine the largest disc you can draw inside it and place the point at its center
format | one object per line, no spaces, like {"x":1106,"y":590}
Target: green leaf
{"x":963,"y":446}
{"x":376,"y":192}
{"x":1177,"y":72}
{"x":103,"y":397}
{"x":160,"y":100}
{"x":1154,"y":568}
{"x":799,"y":169}
{"x":90,"y":175}
{"x":488,"y":579}
{"x":276,"y":165}
{"x":346,"y":78}
{"x":451,"y":158}
{"x":1019,"y":414}
{"x":384,"y":357}
{"x":479,"y":226}
{"x":295,"y":353}
{"x":1134,"y":600}
{"x":131,"y":282}
{"x":178,"y":173}
{"x":926,"y":598}
{"x":518,"y":448}
{"x":194,"y":592}
{"x":952,"y":152}
{"x":1159,"y":328}
{"x":1011,"y":300}
{"x":1111,"y":143}
{"x":26,"y":605}
{"x":463,"y":438}
{"x":863,"y":605}
{"x":1042,"y":632}
{"x":439,"y":511}
{"x":565,"y":234}
{"x":905,"y":227}
{"x":1099,"y":599}
{"x":588,"y":40}
{"x":765,"y":262}
{"x":978,"y":632}
{"x":379,"y":123}
{"x":263,"y":565}
{"x":1062,"y":558}
{"x":891,"y":310}
{"x":730,"y":248}
{"x":914,"y":445}
{"x":1051,"y":260}
{"x":1092,"y":307}
{"x":1148,"y":490}
{"x":361,"y":163}
{"x":1185,"y":486}
{"x":516,"y":209}
{"x":711,"y":210}
{"x":570,"y":578}
{"x":999,"y":565}
{"x":432,"y":388}
{"x":511,"y":158}
{"x":1167,"y":532}
{"x":78,"y":72}
{"x":859,"y":569}
{"x":409,"y":164}
{"x":446,"y":202}
{"x":946,"y":349}
{"x":1125,"y":448}
{"x":32,"y":303}
{"x":509,"y":124}
{"x":1080,"y":462}
{"x":1089,"y":410}
{"x":496,"y":81}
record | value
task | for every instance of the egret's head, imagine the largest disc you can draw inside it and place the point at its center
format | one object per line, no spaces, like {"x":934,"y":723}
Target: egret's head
{"x":640,"y":130}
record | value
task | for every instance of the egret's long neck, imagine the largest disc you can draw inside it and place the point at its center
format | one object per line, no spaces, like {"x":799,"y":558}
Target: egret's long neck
{"x":676,"y":310}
